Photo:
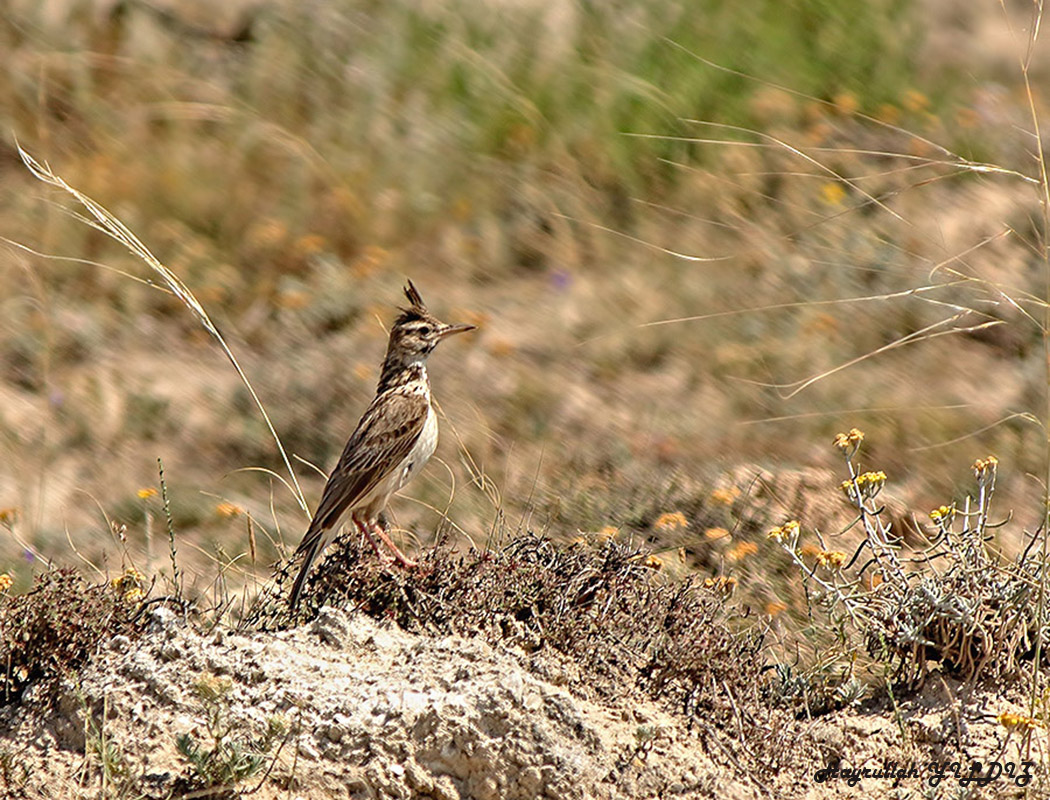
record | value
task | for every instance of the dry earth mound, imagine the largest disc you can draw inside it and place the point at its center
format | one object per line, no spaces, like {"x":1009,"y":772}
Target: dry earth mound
{"x":345,"y":707}
{"x":359,"y":710}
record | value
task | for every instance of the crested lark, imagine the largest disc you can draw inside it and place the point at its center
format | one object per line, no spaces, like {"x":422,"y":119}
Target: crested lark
{"x":392,"y":442}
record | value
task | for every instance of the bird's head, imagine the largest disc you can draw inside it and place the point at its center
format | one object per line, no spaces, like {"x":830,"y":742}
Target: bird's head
{"x":416,"y":331}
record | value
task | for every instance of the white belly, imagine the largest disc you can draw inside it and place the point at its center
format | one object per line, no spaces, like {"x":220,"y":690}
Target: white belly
{"x":423,"y":449}
{"x":372,"y":503}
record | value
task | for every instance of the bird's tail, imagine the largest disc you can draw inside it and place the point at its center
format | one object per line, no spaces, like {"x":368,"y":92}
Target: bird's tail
{"x":313,"y":546}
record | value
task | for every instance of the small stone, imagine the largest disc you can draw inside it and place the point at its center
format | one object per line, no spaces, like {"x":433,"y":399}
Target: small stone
{"x":486,"y":789}
{"x":162,"y":618}
{"x":332,"y":627}
{"x":307,"y":750}
{"x":418,"y":779}
{"x":444,"y":789}
{"x":335,"y":732}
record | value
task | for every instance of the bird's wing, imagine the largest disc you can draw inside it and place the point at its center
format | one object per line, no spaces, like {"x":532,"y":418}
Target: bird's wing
{"x":383,"y":439}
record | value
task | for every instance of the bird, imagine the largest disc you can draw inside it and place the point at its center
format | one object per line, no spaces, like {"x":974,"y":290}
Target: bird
{"x":395,"y":437}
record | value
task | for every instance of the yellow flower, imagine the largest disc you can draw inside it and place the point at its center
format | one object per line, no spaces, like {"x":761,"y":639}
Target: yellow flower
{"x":129,"y":584}
{"x":228,"y":510}
{"x":146,"y":493}
{"x":832,"y":559}
{"x":832,"y":193}
{"x":1018,"y":722}
{"x":606,"y":533}
{"x":716,"y":533}
{"x":725,"y":497}
{"x":372,"y":257}
{"x":849,"y":441}
{"x":888,"y":113}
{"x":722,"y":584}
{"x":653,"y":562}
{"x":8,"y":516}
{"x":310,"y":244}
{"x":5,"y":582}
{"x":870,"y":483}
{"x":984,"y":464}
{"x":942,"y":513}
{"x":742,"y":551}
{"x":846,"y":102}
{"x":789,"y":529}
{"x":984,"y":470}
{"x":671,"y":521}
{"x":774,"y":608}
{"x":915,"y":101}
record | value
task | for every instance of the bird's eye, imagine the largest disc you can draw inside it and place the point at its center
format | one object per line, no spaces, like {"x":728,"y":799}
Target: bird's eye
{"x":426,"y":330}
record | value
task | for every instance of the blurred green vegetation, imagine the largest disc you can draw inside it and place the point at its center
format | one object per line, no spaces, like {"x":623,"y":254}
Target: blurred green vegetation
{"x":372,"y":123}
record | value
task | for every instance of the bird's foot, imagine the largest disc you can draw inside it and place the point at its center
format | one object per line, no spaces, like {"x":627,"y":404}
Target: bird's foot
{"x":402,"y":560}
{"x":384,"y":559}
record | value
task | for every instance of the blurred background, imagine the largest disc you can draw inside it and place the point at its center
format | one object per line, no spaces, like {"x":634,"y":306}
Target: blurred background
{"x":666,"y":217}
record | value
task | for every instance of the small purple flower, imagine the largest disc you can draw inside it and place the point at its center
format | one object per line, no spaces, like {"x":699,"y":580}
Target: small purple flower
{"x":561,"y":279}
{"x":28,"y":555}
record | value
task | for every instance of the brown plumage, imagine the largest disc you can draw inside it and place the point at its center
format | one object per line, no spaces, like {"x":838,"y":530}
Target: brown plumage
{"x":392,"y":442}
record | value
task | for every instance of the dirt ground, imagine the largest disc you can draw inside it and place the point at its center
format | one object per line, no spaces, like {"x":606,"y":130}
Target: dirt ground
{"x":366,"y":711}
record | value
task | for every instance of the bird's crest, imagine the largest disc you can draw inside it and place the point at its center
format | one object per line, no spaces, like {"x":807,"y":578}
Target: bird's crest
{"x":418,"y":309}
{"x":412,"y":293}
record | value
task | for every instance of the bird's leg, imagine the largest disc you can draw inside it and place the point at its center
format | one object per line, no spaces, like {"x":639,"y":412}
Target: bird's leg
{"x":363,"y":527}
{"x":400,"y":557}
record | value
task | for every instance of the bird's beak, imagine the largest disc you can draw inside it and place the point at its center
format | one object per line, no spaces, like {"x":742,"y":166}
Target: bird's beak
{"x":452,"y":330}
